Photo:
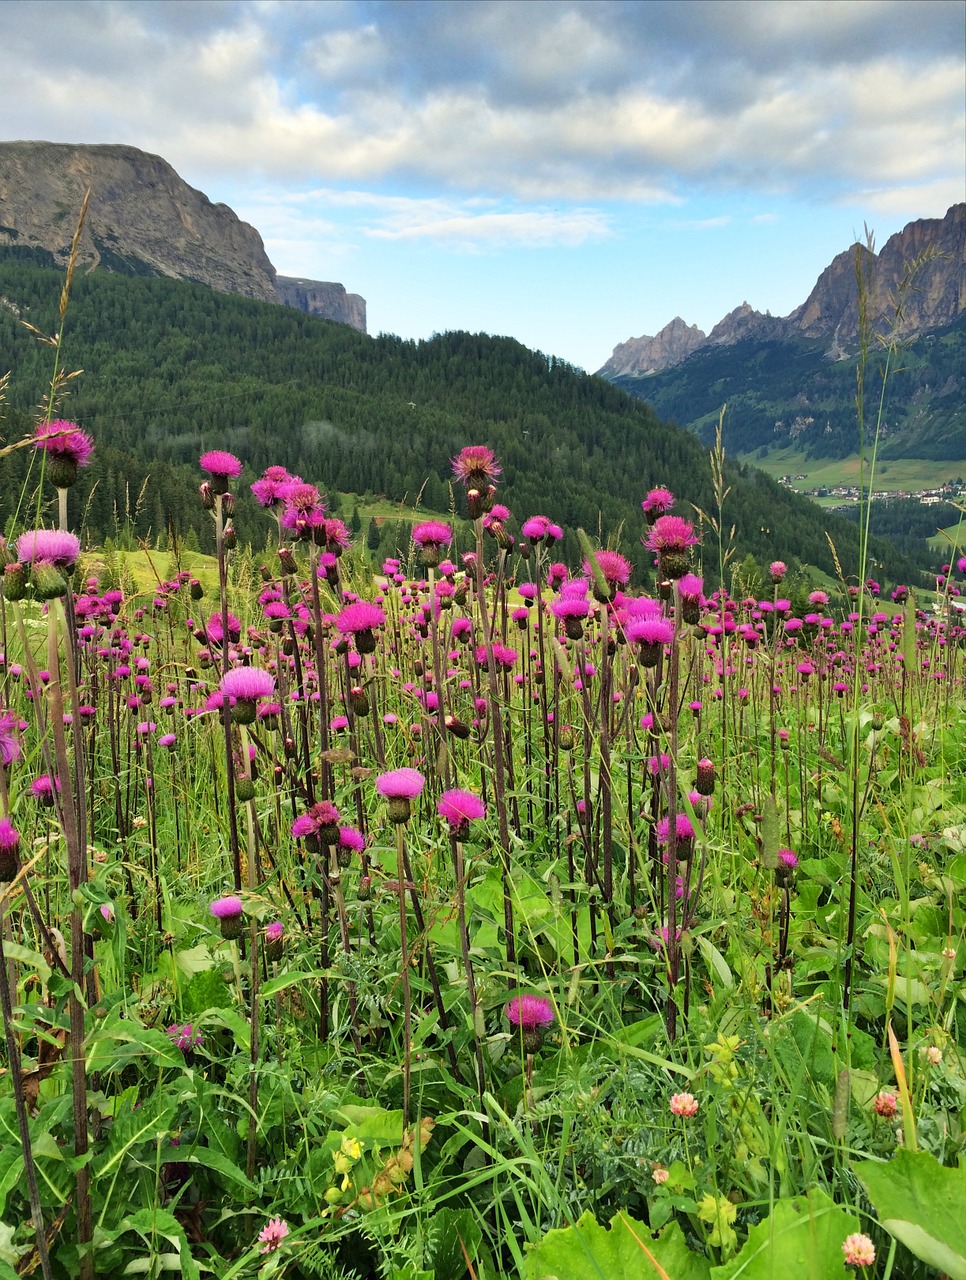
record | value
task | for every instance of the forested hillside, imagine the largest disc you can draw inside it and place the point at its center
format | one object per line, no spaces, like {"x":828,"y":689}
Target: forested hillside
{"x":171,"y":369}
{"x":788,"y":391}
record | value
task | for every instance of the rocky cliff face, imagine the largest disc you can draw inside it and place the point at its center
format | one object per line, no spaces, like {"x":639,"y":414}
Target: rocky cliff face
{"x":143,"y":219}
{"x":637,"y":357}
{"x":923,"y":266}
{"x":320,"y":298}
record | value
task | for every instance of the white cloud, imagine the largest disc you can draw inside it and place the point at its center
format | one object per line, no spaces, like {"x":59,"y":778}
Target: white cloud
{"x":565,"y":102}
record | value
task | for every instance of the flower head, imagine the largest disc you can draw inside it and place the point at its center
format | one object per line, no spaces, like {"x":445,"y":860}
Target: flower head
{"x":222,"y":465}
{"x":432,"y":533}
{"x":10,"y":749}
{"x":476,"y":466}
{"x":684,"y":1105}
{"x":530,"y":1012}
{"x":405,"y":784}
{"x":657,"y":503}
{"x":67,"y":448}
{"x":459,"y":809}
{"x":886,"y":1104}
{"x":54,"y":546}
{"x":272,"y":1235}
{"x":248,"y":684}
{"x":229,"y":912}
{"x":184,"y":1037}
{"x":859,"y":1250}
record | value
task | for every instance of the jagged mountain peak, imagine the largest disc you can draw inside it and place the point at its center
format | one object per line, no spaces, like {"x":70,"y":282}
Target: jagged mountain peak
{"x":915,"y":283}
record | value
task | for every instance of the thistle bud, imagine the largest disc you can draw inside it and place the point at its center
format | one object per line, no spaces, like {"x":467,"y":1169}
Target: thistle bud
{"x":207,"y":495}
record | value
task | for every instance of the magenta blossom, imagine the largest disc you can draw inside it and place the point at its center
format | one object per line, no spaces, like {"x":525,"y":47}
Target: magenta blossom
{"x":459,"y":809}
{"x":55,"y":546}
{"x":530,"y":1012}
{"x":476,"y":466}
{"x":66,"y":447}
{"x":184,"y":1037}
{"x":222,"y":465}
{"x":10,"y":749}
{"x":432,"y":533}
{"x":248,"y":683}
{"x":657,"y":503}
{"x":404,"y":784}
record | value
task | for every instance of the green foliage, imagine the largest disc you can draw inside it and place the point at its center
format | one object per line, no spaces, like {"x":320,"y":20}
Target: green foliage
{"x":174,"y":368}
{"x":622,"y":1249}
{"x":921,"y":1203}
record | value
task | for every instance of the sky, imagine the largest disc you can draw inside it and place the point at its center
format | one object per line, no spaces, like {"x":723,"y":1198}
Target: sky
{"x":570,"y":173}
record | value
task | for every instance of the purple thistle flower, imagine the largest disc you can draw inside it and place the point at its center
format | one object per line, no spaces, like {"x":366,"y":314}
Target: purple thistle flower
{"x":66,"y":447}
{"x":657,"y":503}
{"x":218,"y":463}
{"x":530,"y":1011}
{"x":184,"y":1037}
{"x":476,"y":466}
{"x":248,"y":683}
{"x":615,"y":568}
{"x":227,"y":907}
{"x":55,"y":546}
{"x":10,"y":749}
{"x":400,"y":784}
{"x":269,"y":490}
{"x":432,"y":533}
{"x":459,"y":809}
{"x":358,"y":617}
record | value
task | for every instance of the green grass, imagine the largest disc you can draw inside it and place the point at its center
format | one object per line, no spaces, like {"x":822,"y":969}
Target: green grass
{"x":905,"y":473}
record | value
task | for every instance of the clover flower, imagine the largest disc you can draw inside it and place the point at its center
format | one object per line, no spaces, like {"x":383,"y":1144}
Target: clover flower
{"x":859,"y":1250}
{"x":272,"y":1235}
{"x":684,"y":1105}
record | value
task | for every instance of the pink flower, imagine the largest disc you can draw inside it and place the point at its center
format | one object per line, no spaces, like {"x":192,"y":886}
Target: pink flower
{"x":66,"y":447}
{"x":658,"y":503}
{"x":55,"y":545}
{"x":886,"y":1104}
{"x":459,"y":808}
{"x":670,"y":534}
{"x":400,"y":784}
{"x":248,"y":683}
{"x":10,"y":749}
{"x":476,"y":466}
{"x":529,"y":1012}
{"x":432,"y":533}
{"x":272,"y":1235}
{"x":684,"y":1105}
{"x":360,"y":616}
{"x":616,"y":569}
{"x":219,"y":463}
{"x":660,"y":1175}
{"x":227,"y":908}
{"x":859,"y":1250}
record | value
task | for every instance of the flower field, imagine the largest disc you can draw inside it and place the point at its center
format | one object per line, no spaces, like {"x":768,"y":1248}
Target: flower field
{"x":486,"y":916}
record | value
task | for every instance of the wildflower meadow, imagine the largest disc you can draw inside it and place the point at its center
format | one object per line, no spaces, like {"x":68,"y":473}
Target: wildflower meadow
{"x":473,"y":913}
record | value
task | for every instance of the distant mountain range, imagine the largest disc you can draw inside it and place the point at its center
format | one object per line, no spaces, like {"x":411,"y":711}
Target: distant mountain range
{"x":144,"y":220}
{"x":791,"y":379}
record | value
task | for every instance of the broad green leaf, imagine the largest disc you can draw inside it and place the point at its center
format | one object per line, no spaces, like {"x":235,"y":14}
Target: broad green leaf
{"x":922,"y":1204}
{"x":443,"y":1250}
{"x":801,"y":1238}
{"x":24,"y":955}
{"x":625,"y":1249}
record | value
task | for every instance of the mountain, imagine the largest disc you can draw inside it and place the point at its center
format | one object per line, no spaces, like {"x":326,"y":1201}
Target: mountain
{"x":792,"y":379}
{"x":143,"y":219}
{"x":173,"y":369}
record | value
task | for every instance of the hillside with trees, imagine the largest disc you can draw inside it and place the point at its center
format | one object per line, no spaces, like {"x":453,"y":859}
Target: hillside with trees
{"x":171,"y":369}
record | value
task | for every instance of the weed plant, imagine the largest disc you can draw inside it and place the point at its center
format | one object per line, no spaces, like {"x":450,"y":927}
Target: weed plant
{"x":418,"y":924}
